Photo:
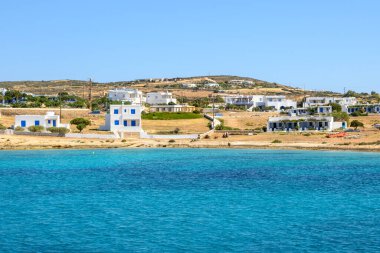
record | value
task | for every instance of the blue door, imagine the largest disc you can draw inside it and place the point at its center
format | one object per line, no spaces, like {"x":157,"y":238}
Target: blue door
{"x":133,"y":122}
{"x":36,"y":122}
{"x":125,"y":123}
{"x":23,"y":123}
{"x":54,"y":123}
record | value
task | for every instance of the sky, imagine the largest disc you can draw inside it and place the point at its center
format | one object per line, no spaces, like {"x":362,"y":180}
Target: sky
{"x":317,"y":45}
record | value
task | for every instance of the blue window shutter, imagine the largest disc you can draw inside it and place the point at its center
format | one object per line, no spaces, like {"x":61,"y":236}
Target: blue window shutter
{"x":115,"y":111}
{"x":23,"y":123}
{"x":125,"y":123}
{"x":36,"y":122}
{"x":49,"y":121}
{"x":133,"y":122}
{"x":133,"y":111}
{"x":116,"y":122}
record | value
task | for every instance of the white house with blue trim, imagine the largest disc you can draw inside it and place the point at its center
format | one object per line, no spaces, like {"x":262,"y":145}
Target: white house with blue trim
{"x":366,"y":108}
{"x":127,"y":95}
{"x":319,"y":110}
{"x":47,"y":120}
{"x":123,"y":118}
{"x":304,"y":123}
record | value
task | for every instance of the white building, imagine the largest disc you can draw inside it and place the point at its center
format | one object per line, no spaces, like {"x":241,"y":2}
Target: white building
{"x":160,"y":98}
{"x":241,"y":82}
{"x":245,"y":100}
{"x":2,"y":92}
{"x":189,"y":85}
{"x":316,"y":101}
{"x":321,"y":110}
{"x":261,"y":101}
{"x":47,"y":120}
{"x":123,"y":118}
{"x":129,"y":95}
{"x":303,"y":123}
{"x":364,"y":108}
{"x":212,"y":85}
{"x":279,"y":102}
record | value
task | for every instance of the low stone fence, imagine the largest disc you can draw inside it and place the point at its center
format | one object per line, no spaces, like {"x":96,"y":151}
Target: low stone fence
{"x":39,"y":134}
{"x":92,"y":136}
{"x":144,"y":135}
{"x":237,"y":132}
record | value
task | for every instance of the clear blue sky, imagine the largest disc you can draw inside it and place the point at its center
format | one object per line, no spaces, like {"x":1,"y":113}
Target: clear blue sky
{"x":324,"y":44}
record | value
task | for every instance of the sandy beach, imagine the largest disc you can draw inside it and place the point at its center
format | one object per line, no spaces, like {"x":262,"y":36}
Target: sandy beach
{"x":14,"y":142}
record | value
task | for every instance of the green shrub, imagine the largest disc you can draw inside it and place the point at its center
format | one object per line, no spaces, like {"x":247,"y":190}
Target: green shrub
{"x":358,"y":113}
{"x":19,"y":129}
{"x":36,"y":129}
{"x":356,"y":124}
{"x":171,"y":141}
{"x":276,"y":141}
{"x":123,"y":140}
{"x":336,"y":107}
{"x":80,"y":127}
{"x":78,"y":121}
{"x":61,"y":130}
{"x":341,"y":116}
{"x":81,"y":123}
{"x":2,"y":127}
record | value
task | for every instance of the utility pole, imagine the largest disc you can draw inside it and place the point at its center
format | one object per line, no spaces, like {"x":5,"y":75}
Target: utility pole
{"x":60,"y":106}
{"x":84,"y":87}
{"x":213,"y":111}
{"x":90,"y":94}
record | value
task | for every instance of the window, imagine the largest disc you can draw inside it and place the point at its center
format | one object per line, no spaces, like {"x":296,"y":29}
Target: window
{"x":23,"y":123}
{"x":125,"y":110}
{"x":133,"y":111}
{"x":36,"y":122}
{"x":133,"y":122}
{"x":125,"y":123}
{"x":116,"y":122}
{"x":116,"y":111}
{"x":49,"y":121}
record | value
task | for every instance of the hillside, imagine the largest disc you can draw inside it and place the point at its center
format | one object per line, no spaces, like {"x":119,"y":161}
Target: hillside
{"x":229,"y":85}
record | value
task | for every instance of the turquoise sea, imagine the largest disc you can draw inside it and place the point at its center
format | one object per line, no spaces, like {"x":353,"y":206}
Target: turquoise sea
{"x":189,"y":200}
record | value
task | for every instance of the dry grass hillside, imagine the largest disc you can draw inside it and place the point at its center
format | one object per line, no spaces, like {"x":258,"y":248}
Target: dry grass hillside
{"x":81,"y":88}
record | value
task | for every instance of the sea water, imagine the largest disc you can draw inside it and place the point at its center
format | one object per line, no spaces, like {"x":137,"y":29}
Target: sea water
{"x":189,"y":200}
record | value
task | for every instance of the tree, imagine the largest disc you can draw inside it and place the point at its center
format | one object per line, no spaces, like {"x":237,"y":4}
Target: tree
{"x":80,"y":123}
{"x":351,"y":93}
{"x":80,"y":127}
{"x":341,"y":116}
{"x":335,"y":107}
{"x":356,"y":124}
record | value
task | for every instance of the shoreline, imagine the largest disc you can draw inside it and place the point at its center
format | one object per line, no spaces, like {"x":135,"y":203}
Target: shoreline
{"x":75,"y":144}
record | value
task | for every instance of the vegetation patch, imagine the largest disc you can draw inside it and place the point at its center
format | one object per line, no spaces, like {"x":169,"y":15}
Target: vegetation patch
{"x":36,"y":129}
{"x":170,"y":115}
{"x":369,"y":143}
{"x":60,"y":130}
